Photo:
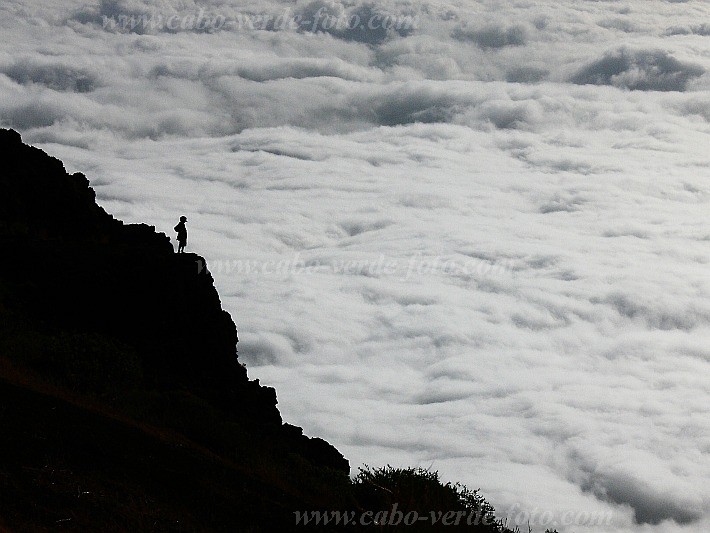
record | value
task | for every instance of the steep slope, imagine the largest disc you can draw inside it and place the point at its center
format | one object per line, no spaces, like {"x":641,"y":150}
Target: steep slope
{"x":104,"y":318}
{"x":76,"y":467}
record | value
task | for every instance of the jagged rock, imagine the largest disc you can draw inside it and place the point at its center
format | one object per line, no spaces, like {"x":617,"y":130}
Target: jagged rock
{"x":70,"y":267}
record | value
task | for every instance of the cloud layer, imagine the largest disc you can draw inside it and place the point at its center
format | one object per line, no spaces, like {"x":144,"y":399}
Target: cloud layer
{"x":466,"y":235}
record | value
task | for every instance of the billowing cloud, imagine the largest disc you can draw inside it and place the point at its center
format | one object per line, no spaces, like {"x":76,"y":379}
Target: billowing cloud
{"x":642,"y":482}
{"x":643,"y":70}
{"x":437,"y":242}
{"x":52,"y":75}
{"x":695,"y":29}
{"x":366,"y":23}
{"x":493,"y":36}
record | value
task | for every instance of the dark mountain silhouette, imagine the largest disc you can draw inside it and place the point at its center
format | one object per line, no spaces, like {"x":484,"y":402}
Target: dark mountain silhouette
{"x":123,"y":406}
{"x":106,"y":311}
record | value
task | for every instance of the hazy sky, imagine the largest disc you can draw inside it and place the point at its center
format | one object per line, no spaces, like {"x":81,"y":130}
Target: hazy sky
{"x":471,"y":236}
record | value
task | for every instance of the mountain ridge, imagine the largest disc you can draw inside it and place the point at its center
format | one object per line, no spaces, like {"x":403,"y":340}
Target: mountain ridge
{"x":109,"y":314}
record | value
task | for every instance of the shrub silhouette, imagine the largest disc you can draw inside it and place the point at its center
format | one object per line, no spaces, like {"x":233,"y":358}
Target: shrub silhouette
{"x":420,"y":491}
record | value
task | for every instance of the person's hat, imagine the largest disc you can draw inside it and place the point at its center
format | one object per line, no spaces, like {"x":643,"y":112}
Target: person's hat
{"x":183,"y":219}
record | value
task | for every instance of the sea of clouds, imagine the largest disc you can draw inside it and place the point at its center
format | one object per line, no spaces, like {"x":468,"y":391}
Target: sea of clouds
{"x":465,"y":235}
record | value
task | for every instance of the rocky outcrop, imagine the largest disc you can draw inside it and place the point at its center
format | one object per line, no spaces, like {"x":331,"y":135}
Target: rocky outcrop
{"x":134,"y":319}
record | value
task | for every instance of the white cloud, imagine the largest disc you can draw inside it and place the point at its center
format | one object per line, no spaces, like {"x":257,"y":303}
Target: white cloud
{"x":437,"y":248}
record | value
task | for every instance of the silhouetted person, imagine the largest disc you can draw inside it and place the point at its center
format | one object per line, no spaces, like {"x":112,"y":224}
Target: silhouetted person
{"x":181,"y":234}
